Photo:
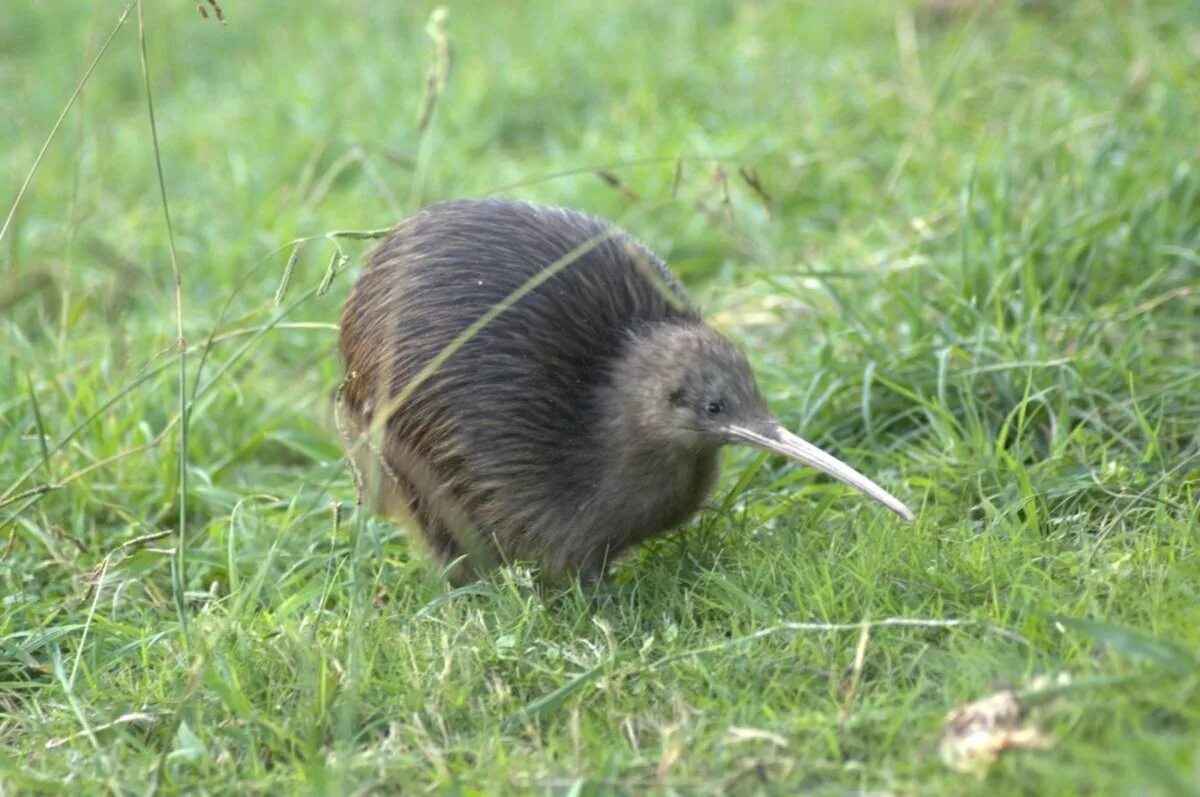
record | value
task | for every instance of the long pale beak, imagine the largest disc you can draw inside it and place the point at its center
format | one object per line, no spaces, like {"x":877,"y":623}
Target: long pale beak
{"x":779,"y":440}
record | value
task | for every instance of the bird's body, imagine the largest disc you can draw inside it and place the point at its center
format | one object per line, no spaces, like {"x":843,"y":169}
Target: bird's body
{"x":545,"y":384}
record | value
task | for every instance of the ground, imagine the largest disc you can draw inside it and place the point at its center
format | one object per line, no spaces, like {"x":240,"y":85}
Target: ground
{"x":958,"y":239}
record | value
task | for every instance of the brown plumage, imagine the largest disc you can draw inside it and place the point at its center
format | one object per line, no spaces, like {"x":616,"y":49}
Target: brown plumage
{"x":551,"y":394}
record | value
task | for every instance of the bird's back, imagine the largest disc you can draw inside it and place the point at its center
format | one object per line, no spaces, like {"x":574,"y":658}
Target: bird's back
{"x":510,"y":408}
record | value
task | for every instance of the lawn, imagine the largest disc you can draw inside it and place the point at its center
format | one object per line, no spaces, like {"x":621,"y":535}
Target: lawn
{"x":959,"y":241}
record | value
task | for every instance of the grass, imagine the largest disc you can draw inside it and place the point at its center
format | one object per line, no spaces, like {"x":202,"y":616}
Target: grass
{"x":961,"y":247}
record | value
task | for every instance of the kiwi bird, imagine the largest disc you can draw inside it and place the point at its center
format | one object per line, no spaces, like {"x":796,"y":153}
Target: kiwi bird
{"x":532,"y":383}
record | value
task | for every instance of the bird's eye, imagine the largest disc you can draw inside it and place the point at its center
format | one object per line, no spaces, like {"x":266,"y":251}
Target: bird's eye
{"x":715,"y":407}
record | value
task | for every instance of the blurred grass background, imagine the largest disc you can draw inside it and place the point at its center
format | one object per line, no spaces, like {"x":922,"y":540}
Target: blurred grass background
{"x":958,"y":239}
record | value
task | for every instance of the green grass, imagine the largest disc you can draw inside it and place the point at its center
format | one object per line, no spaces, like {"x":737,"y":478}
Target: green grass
{"x":973,"y":271}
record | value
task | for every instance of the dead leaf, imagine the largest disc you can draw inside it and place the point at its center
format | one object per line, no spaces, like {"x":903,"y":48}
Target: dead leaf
{"x":974,"y":735}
